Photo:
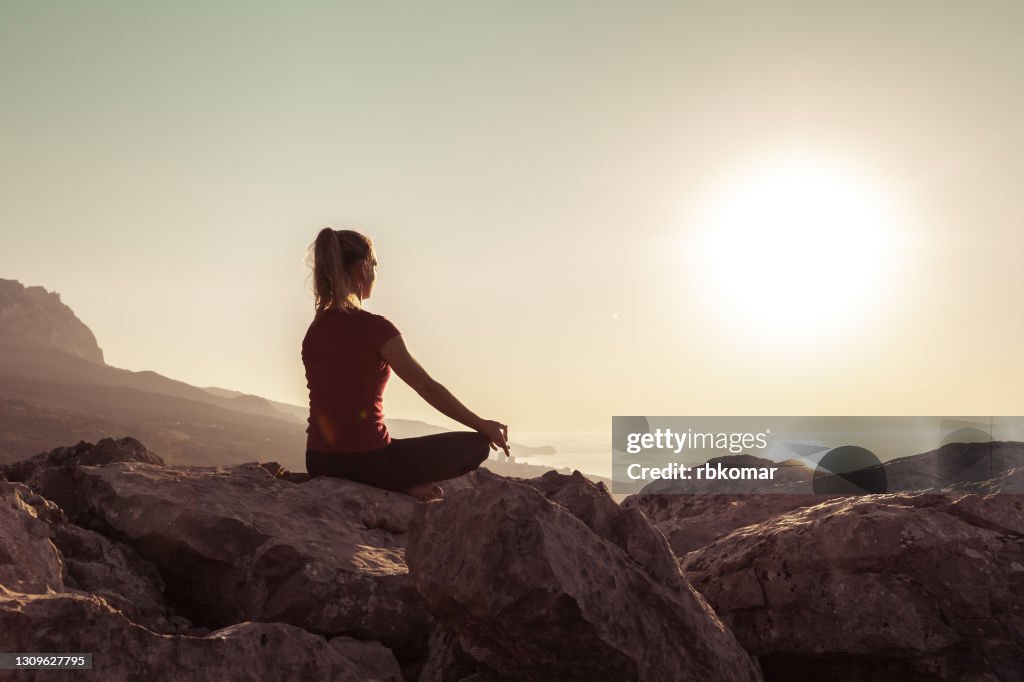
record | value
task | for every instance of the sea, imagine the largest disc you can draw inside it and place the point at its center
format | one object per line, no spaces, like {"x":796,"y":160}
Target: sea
{"x":590,"y":452}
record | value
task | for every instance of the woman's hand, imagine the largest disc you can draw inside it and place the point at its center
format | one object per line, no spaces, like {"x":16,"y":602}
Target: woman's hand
{"x":496,"y":432}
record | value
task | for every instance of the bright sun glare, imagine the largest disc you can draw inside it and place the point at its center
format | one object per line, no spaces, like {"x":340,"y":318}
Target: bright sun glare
{"x":796,"y":247}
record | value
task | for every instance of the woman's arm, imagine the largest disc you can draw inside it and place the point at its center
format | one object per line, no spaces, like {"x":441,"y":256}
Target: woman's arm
{"x":411,"y":372}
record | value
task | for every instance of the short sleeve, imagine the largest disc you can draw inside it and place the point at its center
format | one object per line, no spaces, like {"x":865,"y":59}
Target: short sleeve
{"x":382,"y":331}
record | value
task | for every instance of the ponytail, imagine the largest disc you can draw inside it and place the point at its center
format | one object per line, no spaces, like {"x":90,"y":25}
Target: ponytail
{"x":334,"y":253}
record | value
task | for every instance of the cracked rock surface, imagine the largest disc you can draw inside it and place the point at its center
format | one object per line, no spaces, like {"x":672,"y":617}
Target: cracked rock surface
{"x":876,"y":587}
{"x":550,"y":579}
{"x":242,"y":572}
{"x":220,"y":569}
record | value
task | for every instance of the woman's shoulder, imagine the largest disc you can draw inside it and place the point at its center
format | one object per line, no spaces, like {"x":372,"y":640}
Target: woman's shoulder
{"x":375,"y":317}
{"x":377,"y":325}
{"x":359,"y":317}
{"x":383,"y":325}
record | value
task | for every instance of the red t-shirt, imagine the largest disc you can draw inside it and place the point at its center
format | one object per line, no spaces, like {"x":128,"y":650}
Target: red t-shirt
{"x":346,"y":376}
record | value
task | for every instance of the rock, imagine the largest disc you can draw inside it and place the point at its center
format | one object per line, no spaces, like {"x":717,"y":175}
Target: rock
{"x":277,"y":471}
{"x":105,"y":451}
{"x":592,"y":504}
{"x":693,"y":521}
{"x":104,"y":549}
{"x":32,"y":316}
{"x":525,"y":589}
{"x":111,"y":570}
{"x":373,"y":658}
{"x":876,"y":587}
{"x":628,"y":528}
{"x":44,"y":553}
{"x":234,"y":544}
{"x":28,"y":560}
{"x":122,"y":650}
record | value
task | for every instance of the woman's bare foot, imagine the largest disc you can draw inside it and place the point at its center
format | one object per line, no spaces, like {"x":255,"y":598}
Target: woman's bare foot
{"x":428,"y":492}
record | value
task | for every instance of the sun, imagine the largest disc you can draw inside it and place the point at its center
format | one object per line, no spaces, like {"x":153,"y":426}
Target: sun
{"x":794,"y":247}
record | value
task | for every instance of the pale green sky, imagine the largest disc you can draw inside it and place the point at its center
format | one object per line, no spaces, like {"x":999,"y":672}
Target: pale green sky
{"x":534,"y":176}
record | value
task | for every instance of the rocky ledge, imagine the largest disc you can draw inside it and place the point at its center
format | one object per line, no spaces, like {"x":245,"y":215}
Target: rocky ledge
{"x":238,"y":573}
{"x":248,"y":572}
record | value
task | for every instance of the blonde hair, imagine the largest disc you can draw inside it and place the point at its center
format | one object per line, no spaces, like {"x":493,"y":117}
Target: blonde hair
{"x":334,"y":253}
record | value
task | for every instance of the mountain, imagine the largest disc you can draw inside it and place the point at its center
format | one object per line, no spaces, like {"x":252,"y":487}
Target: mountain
{"x":34,"y":317}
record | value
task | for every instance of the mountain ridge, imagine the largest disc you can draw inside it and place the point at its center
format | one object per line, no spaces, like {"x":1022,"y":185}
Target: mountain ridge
{"x":36,"y":316}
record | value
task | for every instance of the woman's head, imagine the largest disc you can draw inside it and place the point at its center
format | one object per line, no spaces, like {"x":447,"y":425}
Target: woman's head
{"x":343,"y":269}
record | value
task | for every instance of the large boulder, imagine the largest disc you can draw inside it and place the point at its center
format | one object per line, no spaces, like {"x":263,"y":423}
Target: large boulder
{"x":527,"y":587}
{"x":124,"y":651}
{"x":627,"y":528}
{"x":98,"y":565}
{"x":876,"y":587}
{"x":235,"y":544}
{"x":42,"y":553}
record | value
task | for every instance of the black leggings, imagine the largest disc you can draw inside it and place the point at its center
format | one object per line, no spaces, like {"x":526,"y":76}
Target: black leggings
{"x":405,"y":462}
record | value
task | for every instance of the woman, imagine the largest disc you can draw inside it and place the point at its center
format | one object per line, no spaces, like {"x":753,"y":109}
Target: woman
{"x":349,"y":354}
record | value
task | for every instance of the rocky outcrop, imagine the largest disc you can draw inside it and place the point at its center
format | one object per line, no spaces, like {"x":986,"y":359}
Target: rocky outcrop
{"x":235,"y":544}
{"x":547,"y":579}
{"x":40,"y":552}
{"x":250,"y":571}
{"x":106,"y":451}
{"x":242,"y":572}
{"x":910,"y":587}
{"x":32,"y":316}
{"x":67,"y":589}
{"x":86,"y":560}
{"x":916,"y":586}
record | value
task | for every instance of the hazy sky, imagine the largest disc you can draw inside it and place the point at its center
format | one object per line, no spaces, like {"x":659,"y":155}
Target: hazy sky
{"x":542,"y":182}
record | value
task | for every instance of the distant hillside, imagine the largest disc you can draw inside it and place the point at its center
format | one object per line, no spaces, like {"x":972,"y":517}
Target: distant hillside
{"x":239,"y":398}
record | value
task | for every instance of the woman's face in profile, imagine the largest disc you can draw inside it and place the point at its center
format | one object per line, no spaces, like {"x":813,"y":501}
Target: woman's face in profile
{"x":369,"y":277}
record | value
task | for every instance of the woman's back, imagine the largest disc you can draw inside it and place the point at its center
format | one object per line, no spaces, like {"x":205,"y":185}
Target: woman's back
{"x":346,"y":376}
